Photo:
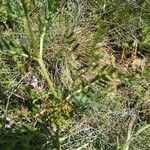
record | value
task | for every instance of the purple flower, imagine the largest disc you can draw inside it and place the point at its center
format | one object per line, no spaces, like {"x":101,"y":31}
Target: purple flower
{"x":39,"y":87}
{"x":33,"y":81}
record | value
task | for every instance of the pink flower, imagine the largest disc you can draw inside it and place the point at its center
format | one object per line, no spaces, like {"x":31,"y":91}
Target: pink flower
{"x":33,"y":81}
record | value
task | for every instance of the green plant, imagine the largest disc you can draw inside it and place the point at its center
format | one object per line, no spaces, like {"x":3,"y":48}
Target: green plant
{"x":60,"y":80}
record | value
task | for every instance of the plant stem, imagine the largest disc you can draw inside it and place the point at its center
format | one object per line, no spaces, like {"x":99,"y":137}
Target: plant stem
{"x":39,"y":57}
{"x":46,"y":75}
{"x":41,"y":44}
{"x":57,"y":139}
{"x":33,"y":41}
{"x":42,"y":65}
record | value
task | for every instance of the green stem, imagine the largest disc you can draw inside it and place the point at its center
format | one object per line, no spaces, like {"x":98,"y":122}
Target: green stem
{"x":39,"y":57}
{"x":33,"y":41}
{"x":41,"y":44}
{"x":58,"y":145}
{"x":46,"y":75}
{"x":42,"y":65}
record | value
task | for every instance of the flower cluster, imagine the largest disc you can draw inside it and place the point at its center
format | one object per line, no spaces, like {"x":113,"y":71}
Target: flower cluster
{"x":33,"y":82}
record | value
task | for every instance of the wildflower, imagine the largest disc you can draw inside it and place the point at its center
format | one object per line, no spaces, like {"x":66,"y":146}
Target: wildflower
{"x":33,"y":81}
{"x":39,"y":87}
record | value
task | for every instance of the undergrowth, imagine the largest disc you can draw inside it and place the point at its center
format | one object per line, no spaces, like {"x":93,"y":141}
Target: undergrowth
{"x":74,"y":75}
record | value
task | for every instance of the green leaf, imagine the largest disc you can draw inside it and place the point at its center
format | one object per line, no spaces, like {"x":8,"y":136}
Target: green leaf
{"x":25,"y":50}
{"x":106,"y":77}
